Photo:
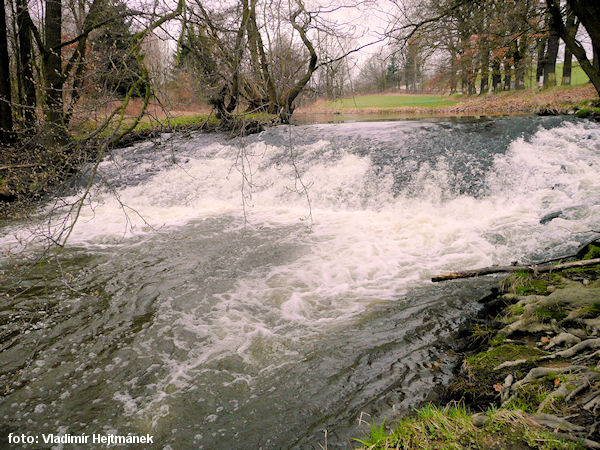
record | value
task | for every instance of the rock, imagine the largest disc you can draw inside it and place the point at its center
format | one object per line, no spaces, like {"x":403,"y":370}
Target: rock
{"x":550,"y":217}
{"x":547,"y":112}
{"x":480,"y":420}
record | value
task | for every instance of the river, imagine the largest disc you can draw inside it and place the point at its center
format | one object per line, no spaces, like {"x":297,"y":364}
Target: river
{"x":255,"y":292}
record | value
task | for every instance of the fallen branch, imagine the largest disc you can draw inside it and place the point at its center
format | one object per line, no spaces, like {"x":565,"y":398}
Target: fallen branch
{"x":536,"y":268}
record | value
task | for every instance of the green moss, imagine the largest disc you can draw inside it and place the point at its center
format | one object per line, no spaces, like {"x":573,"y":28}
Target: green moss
{"x":517,"y":309}
{"x":551,"y":311}
{"x":523,"y":282}
{"x":497,"y":340}
{"x":584,"y":269}
{"x":584,"y":112}
{"x":497,"y":355}
{"x":593,"y":252}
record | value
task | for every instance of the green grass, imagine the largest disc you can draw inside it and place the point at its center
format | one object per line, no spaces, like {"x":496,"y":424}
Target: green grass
{"x":391,"y":101}
{"x":578,"y":76}
{"x":172,"y":123}
{"x":452,"y":428}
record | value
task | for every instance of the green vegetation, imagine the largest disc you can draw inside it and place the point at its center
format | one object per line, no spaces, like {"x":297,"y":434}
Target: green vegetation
{"x":524,"y":283}
{"x":587,"y":112}
{"x":548,"y":312}
{"x":391,"y":101}
{"x":207,"y":121}
{"x":456,"y":428}
{"x":502,"y":353}
{"x":516,"y":377}
{"x":578,"y":76}
{"x":591,"y":311}
{"x":593,"y":250}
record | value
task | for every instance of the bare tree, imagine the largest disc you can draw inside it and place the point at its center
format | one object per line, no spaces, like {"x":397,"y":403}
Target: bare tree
{"x":588,"y":14}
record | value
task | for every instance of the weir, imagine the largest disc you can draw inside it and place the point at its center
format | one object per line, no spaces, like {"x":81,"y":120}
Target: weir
{"x":255,"y":292}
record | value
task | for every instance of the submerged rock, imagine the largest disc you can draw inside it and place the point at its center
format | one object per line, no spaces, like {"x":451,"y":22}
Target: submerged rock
{"x":550,"y":217}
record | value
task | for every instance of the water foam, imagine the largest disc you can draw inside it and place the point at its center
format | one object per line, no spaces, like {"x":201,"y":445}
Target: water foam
{"x":372,"y":239}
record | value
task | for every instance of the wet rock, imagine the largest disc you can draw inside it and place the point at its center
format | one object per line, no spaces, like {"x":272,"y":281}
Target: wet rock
{"x":547,"y":111}
{"x":550,"y":217}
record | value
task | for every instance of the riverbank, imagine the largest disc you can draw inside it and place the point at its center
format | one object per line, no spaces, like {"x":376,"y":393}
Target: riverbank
{"x":33,"y":168}
{"x":530,"y":377}
{"x":560,"y":100}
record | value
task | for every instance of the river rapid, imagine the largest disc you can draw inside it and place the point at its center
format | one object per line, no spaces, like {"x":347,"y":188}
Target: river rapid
{"x":255,"y":292}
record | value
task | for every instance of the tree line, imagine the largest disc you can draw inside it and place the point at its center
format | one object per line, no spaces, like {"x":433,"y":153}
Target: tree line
{"x":477,"y":46}
{"x":262,"y":55}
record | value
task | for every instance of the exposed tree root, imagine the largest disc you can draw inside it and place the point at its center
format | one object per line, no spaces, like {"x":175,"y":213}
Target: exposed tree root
{"x":583,"y":385}
{"x":540,"y":372}
{"x":577,"y":348}
{"x":556,"y":423}
{"x":560,"y":392}
{"x":570,"y":437}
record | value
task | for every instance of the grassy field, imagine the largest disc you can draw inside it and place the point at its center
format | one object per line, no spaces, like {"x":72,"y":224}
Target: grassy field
{"x":387,"y":101}
{"x":578,"y":76}
{"x":391,"y":101}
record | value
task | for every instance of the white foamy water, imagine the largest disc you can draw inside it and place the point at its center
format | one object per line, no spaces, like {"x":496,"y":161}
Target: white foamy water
{"x":367,"y":242}
{"x":234,"y":305}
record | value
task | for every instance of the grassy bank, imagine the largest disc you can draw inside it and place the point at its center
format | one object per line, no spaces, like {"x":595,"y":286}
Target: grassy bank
{"x":533,"y":378}
{"x":392,"y":101}
{"x":559,"y":99}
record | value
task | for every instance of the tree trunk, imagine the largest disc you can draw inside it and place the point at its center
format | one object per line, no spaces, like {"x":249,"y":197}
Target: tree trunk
{"x":571,"y":28}
{"x":541,"y":52}
{"x":452,"y":80}
{"x":485,"y":72}
{"x":534,"y":268}
{"x":27,"y":100}
{"x":288,"y":108}
{"x":496,"y":75}
{"x":257,"y":46}
{"x":6,"y":123}
{"x":52,"y":63}
{"x":550,"y":56}
{"x":519,"y":57}
{"x":507,"y":75}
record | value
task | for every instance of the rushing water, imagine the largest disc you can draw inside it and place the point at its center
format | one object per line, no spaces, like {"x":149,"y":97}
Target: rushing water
{"x":213,"y":299}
